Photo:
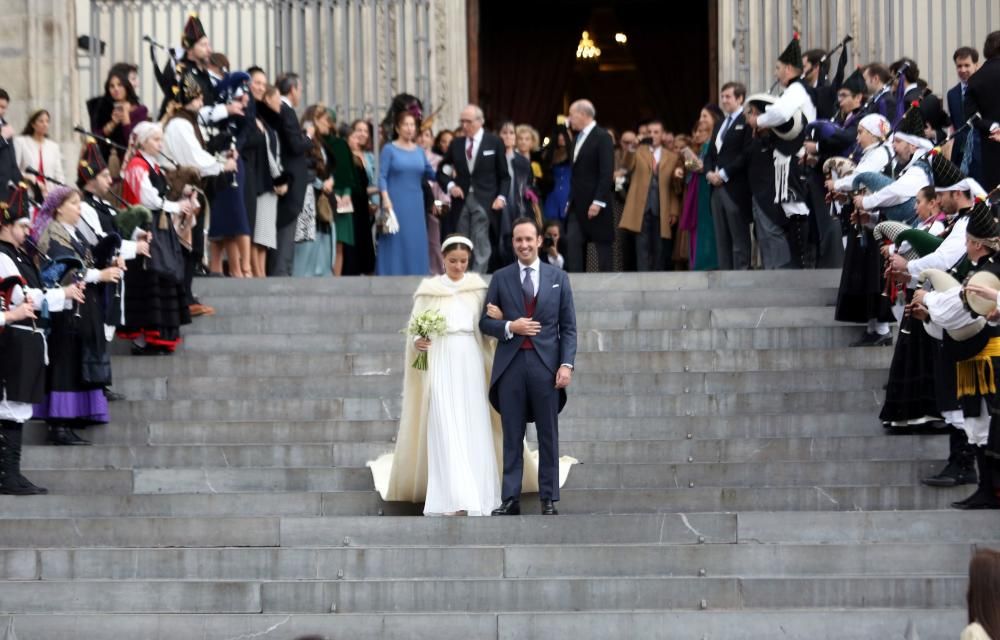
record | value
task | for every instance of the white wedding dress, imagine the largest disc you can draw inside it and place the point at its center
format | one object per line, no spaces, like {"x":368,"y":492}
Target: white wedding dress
{"x":462,"y":472}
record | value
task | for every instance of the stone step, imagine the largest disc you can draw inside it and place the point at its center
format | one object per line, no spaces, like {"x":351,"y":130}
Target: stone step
{"x":480,"y":595}
{"x":588,"y":406}
{"x":849,"y":624}
{"x":527,"y":561}
{"x":381,"y":362}
{"x":582,"y":282}
{"x":587,"y":340}
{"x":347,"y":320}
{"x":355,"y":454}
{"x":612,"y":299}
{"x":229,"y":432}
{"x":769,"y":529}
{"x":209,"y":388}
{"x":781,"y":475}
{"x":603,"y":594}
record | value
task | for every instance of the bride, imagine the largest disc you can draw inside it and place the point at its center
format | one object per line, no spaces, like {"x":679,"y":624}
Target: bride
{"x":449,"y":447}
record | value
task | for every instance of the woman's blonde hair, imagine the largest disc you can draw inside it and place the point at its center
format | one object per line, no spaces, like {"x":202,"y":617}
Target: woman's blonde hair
{"x":536,"y":141}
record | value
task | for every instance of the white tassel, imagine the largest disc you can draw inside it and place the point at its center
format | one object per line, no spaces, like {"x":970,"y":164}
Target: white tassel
{"x":782,"y":165}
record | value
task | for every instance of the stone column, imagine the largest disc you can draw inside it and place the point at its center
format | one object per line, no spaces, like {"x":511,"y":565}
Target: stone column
{"x":39,"y":61}
{"x":449,"y":60}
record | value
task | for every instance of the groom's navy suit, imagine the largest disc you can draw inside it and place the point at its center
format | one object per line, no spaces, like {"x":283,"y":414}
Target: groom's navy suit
{"x":522,"y":387}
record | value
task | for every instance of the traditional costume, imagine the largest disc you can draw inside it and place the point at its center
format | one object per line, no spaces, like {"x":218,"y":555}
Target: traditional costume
{"x":23,"y":345}
{"x":156,"y":304}
{"x":79,"y":364}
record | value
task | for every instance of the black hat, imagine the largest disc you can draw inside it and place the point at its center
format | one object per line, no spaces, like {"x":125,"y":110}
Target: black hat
{"x":943,"y":170}
{"x":17,"y":206}
{"x":982,"y":223}
{"x":186,"y":87}
{"x":792,"y":55}
{"x":193,"y":31}
{"x":912,"y":123}
{"x":855,"y":83}
{"x":91,"y":161}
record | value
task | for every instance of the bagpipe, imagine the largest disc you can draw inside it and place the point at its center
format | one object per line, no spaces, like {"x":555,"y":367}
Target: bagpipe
{"x":7,"y":286}
{"x":979,"y":307}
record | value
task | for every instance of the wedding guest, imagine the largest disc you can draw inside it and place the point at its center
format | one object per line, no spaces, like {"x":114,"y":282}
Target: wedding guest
{"x":448,"y":220}
{"x":402,"y":170}
{"x":272,"y":181}
{"x":475,"y":174}
{"x":517,"y":204}
{"x":589,"y":217}
{"x":34,"y":150}
{"x":557,"y":167}
{"x":295,"y":149}
{"x":552,"y":248}
{"x":341,"y":165}
{"x":360,"y":258}
{"x":314,"y":231}
{"x":436,"y":193}
{"x":697,"y":213}
{"x":114,"y":114}
{"x":9,"y":173}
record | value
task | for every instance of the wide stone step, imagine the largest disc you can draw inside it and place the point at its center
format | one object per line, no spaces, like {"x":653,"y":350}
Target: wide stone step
{"x":404,"y":286}
{"x":611,"y":299}
{"x":587,"y":406}
{"x":587,"y":476}
{"x":139,"y":532}
{"x":602,"y":594}
{"x":210,"y":388}
{"x":347,"y":320}
{"x":527,"y":561}
{"x":587,"y":340}
{"x":382,"y":362}
{"x":850,"y":624}
{"x":803,"y":425}
{"x":356,"y":454}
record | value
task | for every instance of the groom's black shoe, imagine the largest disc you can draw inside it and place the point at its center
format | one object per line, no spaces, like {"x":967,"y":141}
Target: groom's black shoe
{"x":509,"y":507}
{"x":549,"y":508}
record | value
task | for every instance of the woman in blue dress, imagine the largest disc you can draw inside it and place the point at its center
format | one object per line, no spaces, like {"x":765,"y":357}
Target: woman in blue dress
{"x":403,"y":169}
{"x":559,"y":169}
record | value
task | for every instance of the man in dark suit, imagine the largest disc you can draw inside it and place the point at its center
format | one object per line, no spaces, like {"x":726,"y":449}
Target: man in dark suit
{"x":726,"y":170}
{"x":8,"y":162}
{"x":882,"y":100}
{"x":589,"y":217}
{"x":983,"y":98}
{"x":966,"y":61}
{"x":536,"y":351}
{"x":295,"y":145}
{"x":474,"y":172}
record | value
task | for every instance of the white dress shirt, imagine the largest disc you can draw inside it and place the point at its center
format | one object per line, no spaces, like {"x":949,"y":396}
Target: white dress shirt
{"x":794,"y":98}
{"x":873,"y":160}
{"x":521,"y":267}
{"x":582,"y":137}
{"x":912,"y":180}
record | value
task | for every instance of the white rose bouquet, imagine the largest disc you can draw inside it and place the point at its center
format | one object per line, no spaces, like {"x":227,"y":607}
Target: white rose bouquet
{"x":426,"y":325}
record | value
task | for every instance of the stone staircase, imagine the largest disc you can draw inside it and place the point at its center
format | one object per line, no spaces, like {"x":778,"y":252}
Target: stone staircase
{"x":735,"y":483}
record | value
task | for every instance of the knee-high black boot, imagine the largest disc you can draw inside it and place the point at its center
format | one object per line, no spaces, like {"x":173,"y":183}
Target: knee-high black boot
{"x":11,"y":481}
{"x":985,"y":496}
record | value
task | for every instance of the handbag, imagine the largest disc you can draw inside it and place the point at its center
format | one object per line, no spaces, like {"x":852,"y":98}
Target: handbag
{"x":324,"y":212}
{"x":166,"y":258}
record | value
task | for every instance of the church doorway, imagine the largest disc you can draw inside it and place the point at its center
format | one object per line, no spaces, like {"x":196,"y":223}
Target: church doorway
{"x":528,"y":59}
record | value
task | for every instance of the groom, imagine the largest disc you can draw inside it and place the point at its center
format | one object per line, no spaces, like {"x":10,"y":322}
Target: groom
{"x":533,"y":363}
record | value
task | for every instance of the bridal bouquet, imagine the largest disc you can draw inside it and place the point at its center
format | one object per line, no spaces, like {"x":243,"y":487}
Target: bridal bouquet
{"x":426,"y":325}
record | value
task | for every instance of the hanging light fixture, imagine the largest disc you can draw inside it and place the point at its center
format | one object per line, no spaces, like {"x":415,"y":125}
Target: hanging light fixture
{"x":621,"y":38}
{"x":587,"y":49}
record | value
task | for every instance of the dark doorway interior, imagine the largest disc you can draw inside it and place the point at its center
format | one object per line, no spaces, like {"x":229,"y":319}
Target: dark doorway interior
{"x":528,"y":70}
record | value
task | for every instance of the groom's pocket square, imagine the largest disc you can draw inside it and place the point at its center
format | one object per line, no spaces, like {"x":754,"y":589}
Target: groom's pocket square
{"x":489,"y":153}
{"x":555,"y":286}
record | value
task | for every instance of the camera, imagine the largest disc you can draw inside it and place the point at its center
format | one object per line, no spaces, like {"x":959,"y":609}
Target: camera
{"x":548,"y":242}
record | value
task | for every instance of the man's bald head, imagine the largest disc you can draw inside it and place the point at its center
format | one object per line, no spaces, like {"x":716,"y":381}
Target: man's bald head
{"x":581,"y":114}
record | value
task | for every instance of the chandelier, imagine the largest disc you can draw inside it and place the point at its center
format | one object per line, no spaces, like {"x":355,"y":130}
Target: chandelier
{"x":587,"y":49}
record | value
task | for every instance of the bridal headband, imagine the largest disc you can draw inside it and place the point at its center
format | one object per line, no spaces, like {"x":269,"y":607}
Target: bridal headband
{"x":456,"y":240}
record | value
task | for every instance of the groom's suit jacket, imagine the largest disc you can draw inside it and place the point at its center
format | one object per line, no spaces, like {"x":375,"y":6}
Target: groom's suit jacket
{"x":555,"y":345}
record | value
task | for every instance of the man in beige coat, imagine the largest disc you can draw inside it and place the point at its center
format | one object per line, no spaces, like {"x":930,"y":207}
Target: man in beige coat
{"x":652,"y":205}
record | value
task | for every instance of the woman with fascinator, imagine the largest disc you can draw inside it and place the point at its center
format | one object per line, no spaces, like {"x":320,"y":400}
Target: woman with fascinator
{"x":79,"y":368}
{"x":449,"y":447}
{"x":155,"y":301}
